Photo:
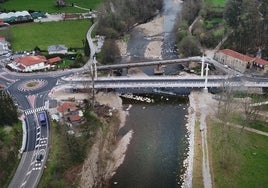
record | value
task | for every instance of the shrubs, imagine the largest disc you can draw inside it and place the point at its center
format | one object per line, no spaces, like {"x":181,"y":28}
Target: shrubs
{"x":9,"y":115}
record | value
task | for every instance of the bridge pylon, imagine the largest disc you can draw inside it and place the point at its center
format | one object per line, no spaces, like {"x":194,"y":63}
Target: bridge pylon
{"x":206,"y":78}
{"x":202,"y":66}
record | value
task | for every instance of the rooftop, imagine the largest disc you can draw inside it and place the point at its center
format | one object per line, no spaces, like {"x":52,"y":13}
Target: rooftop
{"x":30,"y":60}
{"x":261,"y":61}
{"x":53,"y":60}
{"x":236,"y":55}
{"x":65,"y":106}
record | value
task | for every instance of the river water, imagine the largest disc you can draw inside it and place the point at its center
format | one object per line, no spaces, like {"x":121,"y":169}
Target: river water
{"x":156,"y":152}
{"x":155,"y":155}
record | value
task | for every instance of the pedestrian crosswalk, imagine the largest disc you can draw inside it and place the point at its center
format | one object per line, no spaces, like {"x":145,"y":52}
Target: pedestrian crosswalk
{"x":42,"y":142}
{"x":37,"y":166}
{"x":34,"y":110}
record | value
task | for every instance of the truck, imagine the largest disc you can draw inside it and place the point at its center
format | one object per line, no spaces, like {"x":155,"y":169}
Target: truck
{"x":42,"y":118}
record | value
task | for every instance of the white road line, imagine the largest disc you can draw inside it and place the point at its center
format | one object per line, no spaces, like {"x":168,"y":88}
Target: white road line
{"x":23,"y":184}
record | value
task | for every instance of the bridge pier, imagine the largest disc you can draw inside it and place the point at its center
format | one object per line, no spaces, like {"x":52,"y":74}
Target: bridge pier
{"x":158,"y":70}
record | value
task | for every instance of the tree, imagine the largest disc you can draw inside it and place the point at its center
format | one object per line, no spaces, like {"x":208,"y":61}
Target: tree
{"x":8,"y":115}
{"x":60,"y":3}
{"x":189,"y":46}
{"x":248,"y":21}
{"x":232,"y":12}
{"x":190,"y":10}
{"x":226,"y":108}
{"x":118,"y":16}
{"x":110,"y":52}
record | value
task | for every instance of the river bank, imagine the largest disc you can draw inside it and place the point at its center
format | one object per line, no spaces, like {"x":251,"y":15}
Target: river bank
{"x":108,"y":151}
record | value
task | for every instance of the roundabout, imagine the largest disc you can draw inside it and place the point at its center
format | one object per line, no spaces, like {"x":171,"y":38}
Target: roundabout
{"x":31,"y":85}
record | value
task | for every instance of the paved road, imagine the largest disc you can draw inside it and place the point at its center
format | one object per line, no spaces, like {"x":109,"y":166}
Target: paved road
{"x":32,"y":100}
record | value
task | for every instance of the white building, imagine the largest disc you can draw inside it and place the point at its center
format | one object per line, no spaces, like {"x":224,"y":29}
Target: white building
{"x":29,"y":63}
{"x":57,"y":49}
{"x":4,"y":46}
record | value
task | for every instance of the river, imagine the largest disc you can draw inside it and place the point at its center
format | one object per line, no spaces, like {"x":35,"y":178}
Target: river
{"x":156,"y":152}
{"x":155,"y":155}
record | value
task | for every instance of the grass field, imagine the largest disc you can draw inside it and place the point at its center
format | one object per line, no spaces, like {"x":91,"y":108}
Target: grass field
{"x":217,"y":2}
{"x":28,"y":36}
{"x":246,"y":158}
{"x":49,"y":5}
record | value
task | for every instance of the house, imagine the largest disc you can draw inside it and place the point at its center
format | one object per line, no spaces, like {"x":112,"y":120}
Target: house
{"x":66,"y":107}
{"x":57,"y":49}
{"x":70,"y":113}
{"x":260,"y":65}
{"x":4,"y":46}
{"x":52,"y":61}
{"x":233,"y":59}
{"x":29,"y":63}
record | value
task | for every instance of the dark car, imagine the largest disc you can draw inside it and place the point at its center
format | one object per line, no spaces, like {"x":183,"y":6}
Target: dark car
{"x":39,"y":157}
{"x":42,"y":118}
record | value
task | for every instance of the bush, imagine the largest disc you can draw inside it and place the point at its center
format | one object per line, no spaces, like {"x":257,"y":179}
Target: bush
{"x":189,"y":46}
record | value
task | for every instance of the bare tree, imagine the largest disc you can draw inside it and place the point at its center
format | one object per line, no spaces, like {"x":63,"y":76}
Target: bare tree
{"x":226,"y":109}
{"x":60,"y":3}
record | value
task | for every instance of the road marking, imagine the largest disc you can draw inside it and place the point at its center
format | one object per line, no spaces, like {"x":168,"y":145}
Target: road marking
{"x":39,"y":168}
{"x":32,"y":111}
{"x":28,"y":173}
{"x":23,"y":184}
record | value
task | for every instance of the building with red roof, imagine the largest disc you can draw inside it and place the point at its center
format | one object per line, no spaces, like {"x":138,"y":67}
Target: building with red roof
{"x":33,"y":63}
{"x":241,"y":62}
{"x":54,"y":60}
{"x":70,"y":113}
{"x":66,"y":107}
{"x":29,"y":63}
{"x":233,"y":59}
{"x":260,"y":65}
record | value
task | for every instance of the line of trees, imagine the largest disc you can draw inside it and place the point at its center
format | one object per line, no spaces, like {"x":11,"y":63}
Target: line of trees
{"x":118,"y":16}
{"x":188,"y":44}
{"x":246,"y":22}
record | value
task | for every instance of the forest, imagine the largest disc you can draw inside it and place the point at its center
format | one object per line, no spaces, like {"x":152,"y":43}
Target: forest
{"x":243,"y":22}
{"x":247,"y":21}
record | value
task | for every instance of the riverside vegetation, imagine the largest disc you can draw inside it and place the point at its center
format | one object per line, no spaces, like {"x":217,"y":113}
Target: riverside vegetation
{"x":243,"y":22}
{"x":10,"y":138}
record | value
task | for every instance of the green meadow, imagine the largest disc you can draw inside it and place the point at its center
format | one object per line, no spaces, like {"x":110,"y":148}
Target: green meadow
{"x":216,"y":2}
{"x":49,"y":5}
{"x":28,"y":36}
{"x":245,"y":155}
